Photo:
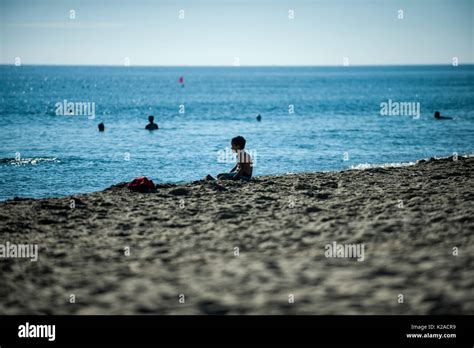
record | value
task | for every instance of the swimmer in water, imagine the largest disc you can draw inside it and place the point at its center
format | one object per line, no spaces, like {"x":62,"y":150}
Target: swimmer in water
{"x":101,"y":127}
{"x":438,"y":116}
{"x":151,"y":125}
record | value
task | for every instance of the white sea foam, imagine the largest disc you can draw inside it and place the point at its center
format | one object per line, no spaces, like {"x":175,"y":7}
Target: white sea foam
{"x":363,"y":166}
{"x":28,"y":161}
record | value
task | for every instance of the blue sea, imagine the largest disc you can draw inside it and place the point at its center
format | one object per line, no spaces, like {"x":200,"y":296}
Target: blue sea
{"x":313,"y":119}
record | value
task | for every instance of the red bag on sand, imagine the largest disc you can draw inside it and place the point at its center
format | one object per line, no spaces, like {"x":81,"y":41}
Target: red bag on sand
{"x":141,"y":184}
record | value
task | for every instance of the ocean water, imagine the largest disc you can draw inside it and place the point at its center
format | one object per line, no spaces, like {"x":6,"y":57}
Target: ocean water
{"x":336,"y":123}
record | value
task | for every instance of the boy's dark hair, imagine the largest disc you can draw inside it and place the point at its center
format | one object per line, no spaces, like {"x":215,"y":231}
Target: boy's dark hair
{"x":239,"y":141}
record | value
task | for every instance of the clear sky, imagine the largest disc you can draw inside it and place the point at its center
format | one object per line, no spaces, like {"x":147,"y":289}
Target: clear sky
{"x":258,"y":32}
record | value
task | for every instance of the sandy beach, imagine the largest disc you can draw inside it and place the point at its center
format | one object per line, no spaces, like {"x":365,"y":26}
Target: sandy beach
{"x":251,"y":248}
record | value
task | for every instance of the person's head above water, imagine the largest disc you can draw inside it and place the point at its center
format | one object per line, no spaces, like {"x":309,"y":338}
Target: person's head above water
{"x":101,"y":127}
{"x":238,"y":143}
{"x":151,"y":125}
{"x":437,"y":114}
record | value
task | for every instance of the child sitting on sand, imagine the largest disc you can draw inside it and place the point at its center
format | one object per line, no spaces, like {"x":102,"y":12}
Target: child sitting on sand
{"x":244,"y":167}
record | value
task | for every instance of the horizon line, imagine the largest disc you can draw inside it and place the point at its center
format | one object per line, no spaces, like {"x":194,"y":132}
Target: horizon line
{"x":239,"y":66}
